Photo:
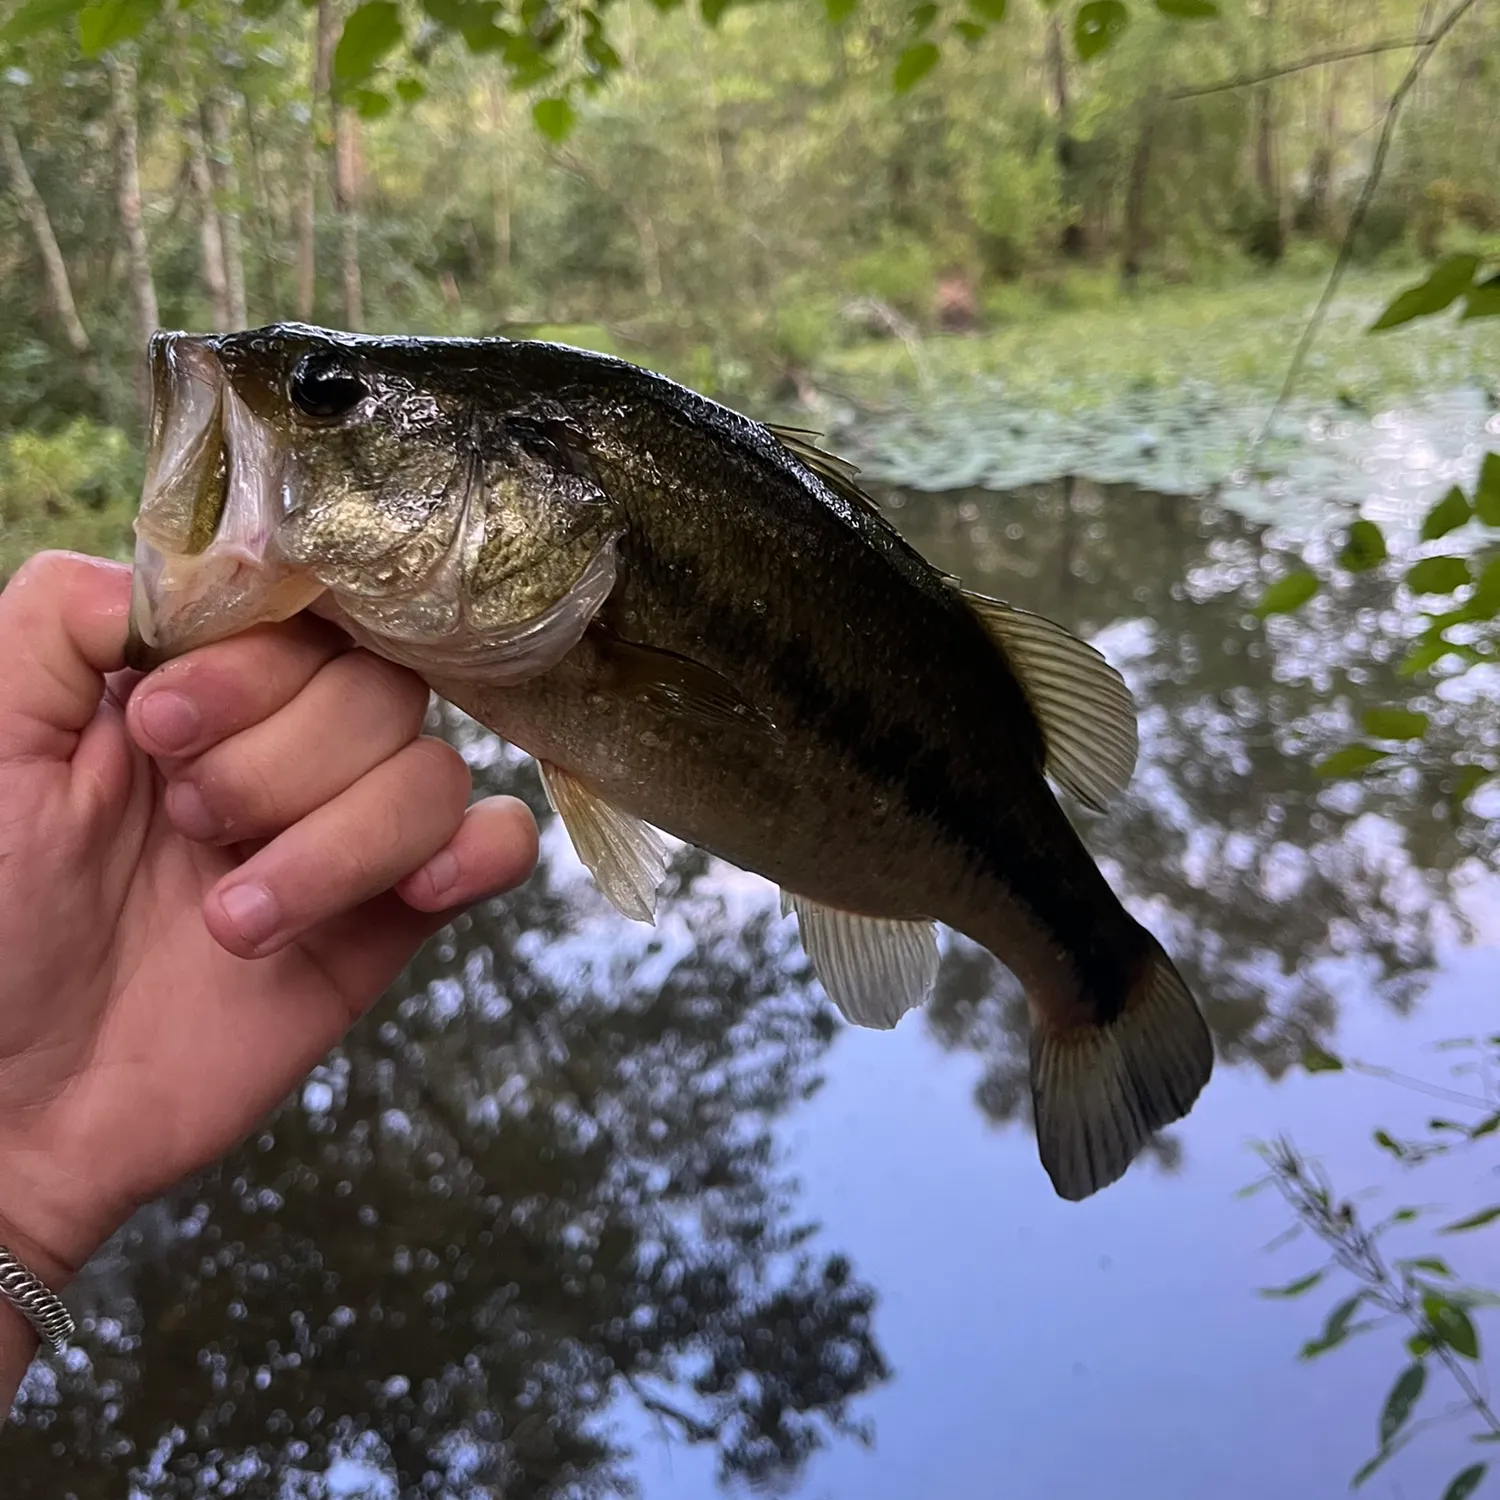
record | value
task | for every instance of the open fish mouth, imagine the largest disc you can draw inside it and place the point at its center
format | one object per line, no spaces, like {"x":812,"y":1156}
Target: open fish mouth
{"x":213,"y":498}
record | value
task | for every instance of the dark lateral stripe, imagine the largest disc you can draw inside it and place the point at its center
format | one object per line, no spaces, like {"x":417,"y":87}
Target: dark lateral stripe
{"x":899,"y":756}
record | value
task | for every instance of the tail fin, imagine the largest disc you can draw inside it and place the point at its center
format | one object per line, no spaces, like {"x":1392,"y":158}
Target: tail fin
{"x":1100,"y":1092}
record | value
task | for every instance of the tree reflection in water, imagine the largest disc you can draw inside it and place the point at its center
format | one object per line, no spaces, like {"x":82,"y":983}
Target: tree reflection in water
{"x":506,"y":1202}
{"x":543,"y":1175}
{"x":1256,"y":872}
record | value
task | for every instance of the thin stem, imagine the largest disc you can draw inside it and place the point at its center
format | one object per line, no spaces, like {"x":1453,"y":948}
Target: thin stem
{"x":1426,"y":46}
{"x":1315,"y":60}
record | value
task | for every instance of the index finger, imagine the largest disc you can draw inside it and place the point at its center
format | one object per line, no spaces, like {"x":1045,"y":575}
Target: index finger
{"x":62,"y":621}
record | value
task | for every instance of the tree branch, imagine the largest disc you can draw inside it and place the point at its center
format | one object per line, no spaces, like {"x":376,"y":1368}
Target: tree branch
{"x":1316,"y":60}
{"x":1426,"y":46}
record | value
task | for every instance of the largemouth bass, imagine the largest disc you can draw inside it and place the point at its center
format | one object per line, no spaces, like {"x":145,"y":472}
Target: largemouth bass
{"x":698,"y":624}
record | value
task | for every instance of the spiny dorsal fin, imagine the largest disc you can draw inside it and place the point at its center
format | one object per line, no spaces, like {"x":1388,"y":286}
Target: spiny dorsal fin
{"x":837,"y":473}
{"x":1085,"y":711}
{"x":626,"y":857}
{"x":874,"y":969}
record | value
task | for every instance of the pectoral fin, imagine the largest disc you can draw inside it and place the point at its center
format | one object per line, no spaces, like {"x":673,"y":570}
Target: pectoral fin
{"x":678,"y":685}
{"x":1082,"y":704}
{"x":875,"y":969}
{"x":626,"y":857}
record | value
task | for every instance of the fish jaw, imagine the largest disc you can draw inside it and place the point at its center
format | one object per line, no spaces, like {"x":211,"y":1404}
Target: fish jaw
{"x":206,"y":565}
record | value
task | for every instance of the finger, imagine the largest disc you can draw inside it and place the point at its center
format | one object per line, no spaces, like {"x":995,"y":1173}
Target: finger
{"x":344,"y":853}
{"x":62,"y":623}
{"x":359,"y":710}
{"x":494,"y":850}
{"x":208,"y":695}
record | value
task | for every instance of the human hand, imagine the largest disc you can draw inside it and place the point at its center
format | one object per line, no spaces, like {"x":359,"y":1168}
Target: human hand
{"x":206,"y":876}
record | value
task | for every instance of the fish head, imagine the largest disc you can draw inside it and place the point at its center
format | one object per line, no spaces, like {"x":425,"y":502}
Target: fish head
{"x":415,"y":490}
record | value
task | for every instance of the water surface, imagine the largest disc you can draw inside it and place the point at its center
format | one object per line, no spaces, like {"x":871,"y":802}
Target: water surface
{"x":587,"y":1208}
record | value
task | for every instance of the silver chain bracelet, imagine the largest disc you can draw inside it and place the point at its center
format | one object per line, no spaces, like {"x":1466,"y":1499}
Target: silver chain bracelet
{"x":40,"y":1306}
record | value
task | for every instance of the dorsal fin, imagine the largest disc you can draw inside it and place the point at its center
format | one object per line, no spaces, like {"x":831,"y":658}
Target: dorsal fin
{"x":837,"y":473}
{"x":1082,"y":704}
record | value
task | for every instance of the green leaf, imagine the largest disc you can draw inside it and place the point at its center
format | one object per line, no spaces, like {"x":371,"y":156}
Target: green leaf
{"x":1449,"y":280}
{"x":1187,"y":10}
{"x":1424,"y":655}
{"x":371,"y":104}
{"x":1367,"y":1468}
{"x":1395,"y":724}
{"x":1428,"y":1263}
{"x":1487,"y":491}
{"x":1449,"y":1324}
{"x":1350,"y":761}
{"x":1387,"y":1142}
{"x":1287,"y":594}
{"x":922,"y":16}
{"x":1483,"y":300}
{"x":1364,"y":548}
{"x":1491,"y":1123}
{"x":369,"y":33}
{"x":913,"y":65}
{"x":971,"y":31}
{"x":1451,"y":512}
{"x":1297,"y":1287}
{"x":839,"y":11}
{"x":1461,"y":1486}
{"x":107,"y":23}
{"x":1404,"y":1395}
{"x":1335,"y":1329}
{"x":1467,"y":778}
{"x":1474,"y":1221}
{"x":1316,"y":1060}
{"x":991,"y":10}
{"x":554,"y":117}
{"x":410,"y":90}
{"x":1418,"y":1345}
{"x":38,"y":16}
{"x":1437,"y":575}
{"x":1098,"y":26}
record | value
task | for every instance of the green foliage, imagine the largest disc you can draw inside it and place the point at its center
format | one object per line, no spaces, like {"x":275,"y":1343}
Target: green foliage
{"x":1464,"y":1484}
{"x":1420,"y":1291}
{"x":1350,"y":760}
{"x":1395,"y":724}
{"x":1287,"y":594}
{"x":369,"y":33}
{"x":1451,"y":512}
{"x":1364,"y":548}
{"x":75,"y":489}
{"x":1448,"y":281}
{"x":1098,"y":26}
{"x":914,"y":64}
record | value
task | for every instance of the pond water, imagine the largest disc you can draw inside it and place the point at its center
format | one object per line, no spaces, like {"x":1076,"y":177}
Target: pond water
{"x":585,"y":1208}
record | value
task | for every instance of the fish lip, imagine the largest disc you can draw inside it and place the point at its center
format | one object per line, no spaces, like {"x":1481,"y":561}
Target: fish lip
{"x":206,"y":564}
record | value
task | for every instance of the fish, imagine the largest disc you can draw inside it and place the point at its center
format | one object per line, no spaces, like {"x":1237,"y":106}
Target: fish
{"x":699,"y":625}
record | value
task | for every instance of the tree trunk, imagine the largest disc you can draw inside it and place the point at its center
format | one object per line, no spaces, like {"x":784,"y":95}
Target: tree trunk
{"x":1134,"y":247}
{"x":498,"y":154}
{"x":346,"y":202}
{"x":307,"y":214}
{"x":128,"y":186}
{"x":210,"y":234}
{"x":226,"y":180}
{"x":59,"y":285}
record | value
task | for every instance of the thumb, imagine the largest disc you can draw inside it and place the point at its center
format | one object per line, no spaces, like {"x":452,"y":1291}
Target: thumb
{"x":62,"y":625}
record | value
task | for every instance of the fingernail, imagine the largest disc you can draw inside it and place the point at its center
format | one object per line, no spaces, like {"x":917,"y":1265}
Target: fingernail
{"x":252,"y":912}
{"x":170,"y":720}
{"x":442,"y":871}
{"x":189,"y":812}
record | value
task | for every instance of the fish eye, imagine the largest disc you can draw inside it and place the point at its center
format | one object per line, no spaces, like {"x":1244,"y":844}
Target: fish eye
{"x":322,"y":385}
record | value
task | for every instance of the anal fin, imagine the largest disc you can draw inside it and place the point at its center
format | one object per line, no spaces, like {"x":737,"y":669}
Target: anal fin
{"x":874,"y":969}
{"x":626,"y":857}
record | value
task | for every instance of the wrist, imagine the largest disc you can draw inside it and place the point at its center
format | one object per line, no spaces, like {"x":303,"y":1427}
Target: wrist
{"x":18,"y":1334}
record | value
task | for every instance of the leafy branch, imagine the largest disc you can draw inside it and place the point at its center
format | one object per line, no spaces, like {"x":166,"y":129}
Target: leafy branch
{"x":1420,"y":1292}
